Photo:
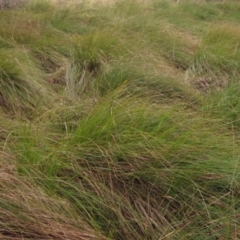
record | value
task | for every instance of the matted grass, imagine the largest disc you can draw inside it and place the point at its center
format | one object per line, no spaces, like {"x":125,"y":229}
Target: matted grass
{"x":119,"y":120}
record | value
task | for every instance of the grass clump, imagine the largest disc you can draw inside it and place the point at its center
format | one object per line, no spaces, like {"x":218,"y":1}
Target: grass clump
{"x":220,"y":50}
{"x":22,"y":86}
{"x":119,"y":121}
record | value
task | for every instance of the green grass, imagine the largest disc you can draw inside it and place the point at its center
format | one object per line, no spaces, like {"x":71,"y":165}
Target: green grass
{"x":120,"y":121}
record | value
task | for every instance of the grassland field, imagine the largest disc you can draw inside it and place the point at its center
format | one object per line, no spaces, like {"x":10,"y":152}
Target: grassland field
{"x":120,"y":120}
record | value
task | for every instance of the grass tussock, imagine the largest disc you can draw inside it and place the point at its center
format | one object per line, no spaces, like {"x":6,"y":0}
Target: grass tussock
{"x":26,"y":216}
{"x":119,"y":120}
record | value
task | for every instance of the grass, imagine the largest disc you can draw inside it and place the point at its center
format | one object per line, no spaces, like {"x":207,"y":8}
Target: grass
{"x":120,"y":120}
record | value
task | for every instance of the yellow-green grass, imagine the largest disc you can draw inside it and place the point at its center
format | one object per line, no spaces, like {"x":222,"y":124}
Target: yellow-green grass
{"x":120,"y":120}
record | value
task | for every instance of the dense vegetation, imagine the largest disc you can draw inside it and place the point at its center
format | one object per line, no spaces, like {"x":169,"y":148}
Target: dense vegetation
{"x":120,"y":120}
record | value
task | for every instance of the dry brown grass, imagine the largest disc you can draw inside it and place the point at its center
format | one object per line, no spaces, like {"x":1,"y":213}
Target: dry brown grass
{"x":29,"y":213}
{"x":11,"y":3}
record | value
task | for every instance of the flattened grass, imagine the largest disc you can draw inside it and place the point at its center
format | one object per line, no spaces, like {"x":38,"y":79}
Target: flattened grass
{"x":119,"y":121}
